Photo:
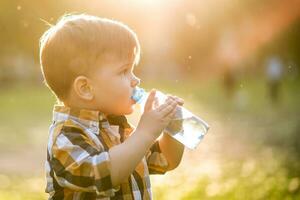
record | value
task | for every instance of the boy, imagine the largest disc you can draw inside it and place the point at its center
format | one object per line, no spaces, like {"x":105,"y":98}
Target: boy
{"x":93,"y":152}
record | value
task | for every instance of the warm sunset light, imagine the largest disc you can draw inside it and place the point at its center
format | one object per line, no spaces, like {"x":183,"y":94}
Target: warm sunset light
{"x":233,"y":64}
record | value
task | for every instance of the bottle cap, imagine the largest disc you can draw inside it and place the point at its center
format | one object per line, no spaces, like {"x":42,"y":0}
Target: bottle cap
{"x":138,"y":94}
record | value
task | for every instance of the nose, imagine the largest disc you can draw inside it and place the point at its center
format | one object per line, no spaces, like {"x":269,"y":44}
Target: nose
{"x":135,"y":81}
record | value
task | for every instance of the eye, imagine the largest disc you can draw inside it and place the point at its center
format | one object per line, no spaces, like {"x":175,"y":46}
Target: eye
{"x":125,"y":71}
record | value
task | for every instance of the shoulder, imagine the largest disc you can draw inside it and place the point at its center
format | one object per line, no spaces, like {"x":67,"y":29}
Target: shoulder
{"x":68,"y":130}
{"x":67,"y":126}
{"x":69,"y":136}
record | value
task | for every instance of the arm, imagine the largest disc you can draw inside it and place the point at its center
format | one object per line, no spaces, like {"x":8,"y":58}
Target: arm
{"x":172,"y":150}
{"x":80,"y":166}
{"x":126,"y":156}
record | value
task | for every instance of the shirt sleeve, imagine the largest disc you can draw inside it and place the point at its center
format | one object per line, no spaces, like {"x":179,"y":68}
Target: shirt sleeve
{"x":156,"y":161}
{"x":79,"y":166}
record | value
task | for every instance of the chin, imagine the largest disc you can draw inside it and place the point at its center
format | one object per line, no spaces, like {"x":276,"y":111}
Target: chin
{"x":127,"y":111}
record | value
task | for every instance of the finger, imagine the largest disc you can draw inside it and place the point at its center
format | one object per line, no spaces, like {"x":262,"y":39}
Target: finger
{"x":165,"y":104}
{"x":179,"y":100}
{"x":170,"y":116}
{"x":156,"y":102}
{"x":172,"y":112}
{"x":150,"y":99}
{"x":166,"y":111}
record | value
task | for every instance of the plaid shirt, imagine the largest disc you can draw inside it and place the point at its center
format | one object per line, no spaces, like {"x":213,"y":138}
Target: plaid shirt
{"x":78,"y":163}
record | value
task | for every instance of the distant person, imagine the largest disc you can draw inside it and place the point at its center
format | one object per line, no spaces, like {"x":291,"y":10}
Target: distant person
{"x":274,"y":72}
{"x":93,"y":152}
{"x":229,"y":55}
{"x":229,"y":82}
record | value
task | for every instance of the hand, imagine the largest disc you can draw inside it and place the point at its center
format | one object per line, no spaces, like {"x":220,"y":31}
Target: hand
{"x":179,"y":100}
{"x":154,"y":120}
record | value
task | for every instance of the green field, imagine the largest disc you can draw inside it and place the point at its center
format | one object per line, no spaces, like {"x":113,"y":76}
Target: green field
{"x":251,"y":151}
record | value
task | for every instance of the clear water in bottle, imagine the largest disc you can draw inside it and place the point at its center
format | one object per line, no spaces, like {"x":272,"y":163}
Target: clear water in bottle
{"x":185,"y":127}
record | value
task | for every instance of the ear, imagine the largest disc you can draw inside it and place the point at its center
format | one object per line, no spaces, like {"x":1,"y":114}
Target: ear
{"x":83,"y":88}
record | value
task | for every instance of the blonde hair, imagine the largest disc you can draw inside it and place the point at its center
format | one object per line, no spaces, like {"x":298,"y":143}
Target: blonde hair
{"x":72,"y":47}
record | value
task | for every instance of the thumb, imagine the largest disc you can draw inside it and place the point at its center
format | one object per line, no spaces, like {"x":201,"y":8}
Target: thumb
{"x":149,"y":101}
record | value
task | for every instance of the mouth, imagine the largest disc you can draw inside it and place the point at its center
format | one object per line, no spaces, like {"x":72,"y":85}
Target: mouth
{"x":132,"y":101}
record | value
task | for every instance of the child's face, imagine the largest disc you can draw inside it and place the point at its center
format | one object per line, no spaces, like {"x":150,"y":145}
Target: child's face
{"x":113,"y":85}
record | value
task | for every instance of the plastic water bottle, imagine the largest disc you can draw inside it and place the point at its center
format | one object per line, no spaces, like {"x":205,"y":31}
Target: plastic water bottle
{"x":185,"y":127}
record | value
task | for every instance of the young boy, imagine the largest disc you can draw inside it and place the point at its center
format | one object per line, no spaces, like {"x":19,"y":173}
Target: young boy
{"x":93,"y":152}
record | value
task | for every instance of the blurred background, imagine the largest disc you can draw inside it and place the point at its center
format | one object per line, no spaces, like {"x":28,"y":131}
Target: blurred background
{"x":236,"y":64}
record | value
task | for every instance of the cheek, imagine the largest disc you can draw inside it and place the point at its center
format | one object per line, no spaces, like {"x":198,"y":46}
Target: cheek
{"x":123,"y":88}
{"x":118,"y":93}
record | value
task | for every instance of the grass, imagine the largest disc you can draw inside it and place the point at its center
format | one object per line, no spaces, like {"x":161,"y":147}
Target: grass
{"x":25,"y":109}
{"x":21,"y":187}
{"x":251,"y":151}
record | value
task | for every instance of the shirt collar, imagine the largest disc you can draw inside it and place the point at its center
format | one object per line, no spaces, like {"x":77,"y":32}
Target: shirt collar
{"x":92,"y":119}
{"x":83,"y":114}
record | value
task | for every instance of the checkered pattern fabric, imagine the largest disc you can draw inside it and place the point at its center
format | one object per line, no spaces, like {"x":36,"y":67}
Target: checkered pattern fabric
{"x":78,"y":162}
